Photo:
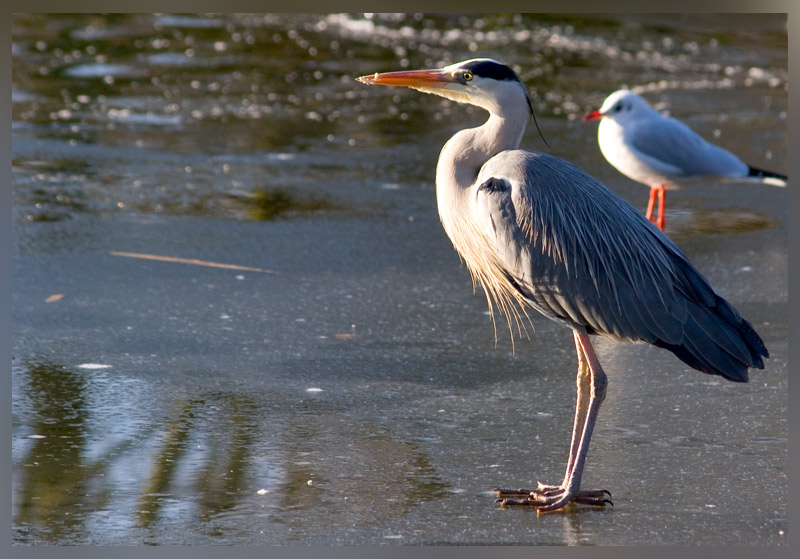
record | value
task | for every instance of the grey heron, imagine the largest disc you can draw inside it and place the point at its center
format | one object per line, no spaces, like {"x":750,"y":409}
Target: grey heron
{"x":662,"y":152}
{"x":537,"y":232}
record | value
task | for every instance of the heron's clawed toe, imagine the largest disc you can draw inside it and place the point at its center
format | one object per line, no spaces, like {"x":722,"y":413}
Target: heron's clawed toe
{"x":551,"y":497}
{"x":593,"y":498}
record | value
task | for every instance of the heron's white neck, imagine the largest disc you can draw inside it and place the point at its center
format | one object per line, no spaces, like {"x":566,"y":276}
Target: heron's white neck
{"x":460,"y":162}
{"x":465,"y":153}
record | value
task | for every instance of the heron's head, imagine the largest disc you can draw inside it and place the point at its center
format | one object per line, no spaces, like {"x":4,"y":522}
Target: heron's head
{"x":620,"y":106}
{"x":482,"y":82}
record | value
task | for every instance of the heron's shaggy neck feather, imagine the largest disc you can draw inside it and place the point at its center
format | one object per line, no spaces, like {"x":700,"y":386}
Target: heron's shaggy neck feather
{"x":460,"y":162}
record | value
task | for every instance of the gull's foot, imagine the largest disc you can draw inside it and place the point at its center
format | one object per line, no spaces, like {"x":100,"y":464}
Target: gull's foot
{"x":551,"y":497}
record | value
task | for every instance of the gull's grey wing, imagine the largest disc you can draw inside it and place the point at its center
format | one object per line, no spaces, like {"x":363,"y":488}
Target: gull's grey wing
{"x":668,"y":141}
{"x":583,"y":256}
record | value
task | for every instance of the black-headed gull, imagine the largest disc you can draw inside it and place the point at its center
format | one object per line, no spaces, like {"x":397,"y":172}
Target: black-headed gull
{"x":662,"y":152}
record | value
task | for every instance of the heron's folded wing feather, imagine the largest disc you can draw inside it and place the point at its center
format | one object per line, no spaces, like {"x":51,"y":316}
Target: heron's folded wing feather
{"x":584,"y":257}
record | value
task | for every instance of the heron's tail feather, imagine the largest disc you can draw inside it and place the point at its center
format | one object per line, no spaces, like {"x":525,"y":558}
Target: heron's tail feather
{"x":718,"y":341}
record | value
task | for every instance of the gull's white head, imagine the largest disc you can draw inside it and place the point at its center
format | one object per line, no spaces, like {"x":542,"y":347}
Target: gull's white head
{"x":621,"y":106}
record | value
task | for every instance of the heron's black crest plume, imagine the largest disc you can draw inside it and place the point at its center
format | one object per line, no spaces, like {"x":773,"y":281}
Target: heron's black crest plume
{"x":535,"y":123}
{"x":485,"y":68}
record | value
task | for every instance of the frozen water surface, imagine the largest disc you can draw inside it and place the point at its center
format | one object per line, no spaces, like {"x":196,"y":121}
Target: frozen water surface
{"x":296,"y":355}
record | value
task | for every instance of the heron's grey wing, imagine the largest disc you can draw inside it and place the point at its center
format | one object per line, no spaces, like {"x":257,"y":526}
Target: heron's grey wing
{"x":662,"y":140}
{"x":555,"y":234}
{"x":583,"y":256}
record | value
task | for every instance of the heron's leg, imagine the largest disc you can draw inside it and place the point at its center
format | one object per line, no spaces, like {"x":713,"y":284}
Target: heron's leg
{"x":581,"y":406}
{"x":589,"y":367}
{"x":591,"y":389}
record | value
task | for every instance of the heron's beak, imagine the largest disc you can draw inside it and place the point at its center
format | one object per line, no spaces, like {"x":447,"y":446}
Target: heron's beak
{"x":594,"y":115}
{"x":418,"y":79}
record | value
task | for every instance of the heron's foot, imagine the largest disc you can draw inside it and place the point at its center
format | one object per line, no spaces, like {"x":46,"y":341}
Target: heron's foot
{"x":551,"y":497}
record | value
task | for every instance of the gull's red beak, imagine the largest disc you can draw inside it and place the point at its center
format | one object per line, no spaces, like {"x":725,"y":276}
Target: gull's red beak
{"x":594,"y":115}
{"x":411,"y":78}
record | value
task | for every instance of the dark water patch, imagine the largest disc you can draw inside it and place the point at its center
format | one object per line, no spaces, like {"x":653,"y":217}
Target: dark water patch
{"x":267,"y":204}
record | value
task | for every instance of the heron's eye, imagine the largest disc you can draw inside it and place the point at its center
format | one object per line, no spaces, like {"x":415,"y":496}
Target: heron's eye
{"x":467,"y":76}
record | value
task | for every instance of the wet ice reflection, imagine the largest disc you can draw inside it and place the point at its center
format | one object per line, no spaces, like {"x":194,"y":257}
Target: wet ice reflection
{"x":97,"y":451}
